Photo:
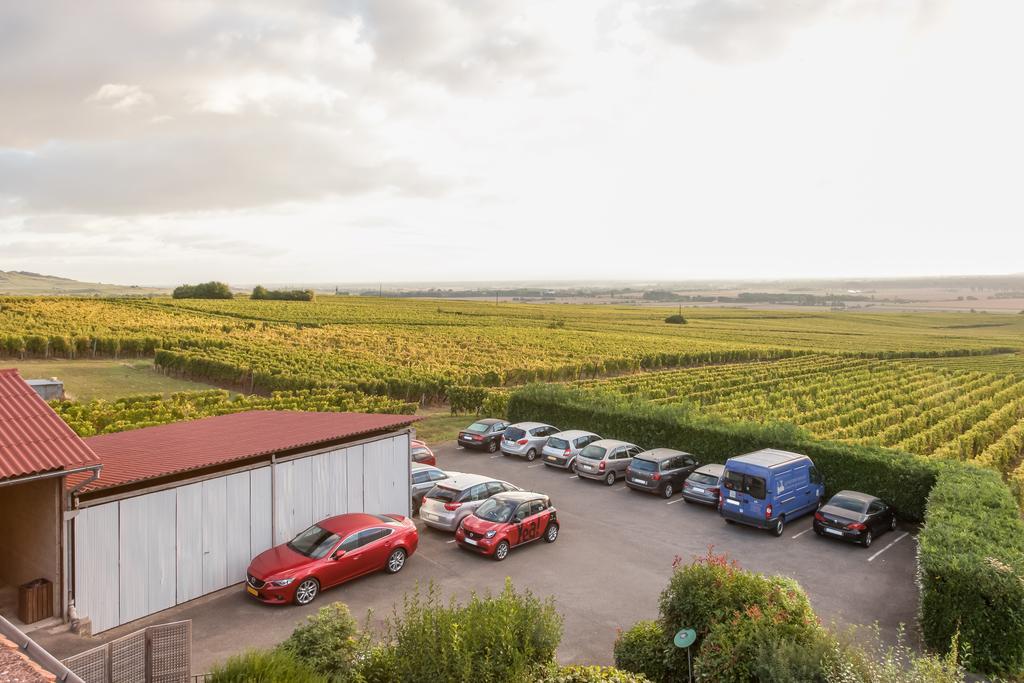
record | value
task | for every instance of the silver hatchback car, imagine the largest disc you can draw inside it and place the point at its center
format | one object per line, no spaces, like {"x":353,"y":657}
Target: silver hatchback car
{"x":453,"y":499}
{"x":424,"y":478}
{"x":606,"y":460}
{"x":562,"y":448}
{"x":526,"y":439}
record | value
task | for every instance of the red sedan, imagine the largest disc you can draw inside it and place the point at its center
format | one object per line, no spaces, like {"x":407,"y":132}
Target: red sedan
{"x":330,"y":552}
{"x":506,"y":520}
{"x":421,"y":453}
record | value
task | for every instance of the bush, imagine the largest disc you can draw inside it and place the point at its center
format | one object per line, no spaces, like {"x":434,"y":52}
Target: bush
{"x":728,"y":606}
{"x":871,"y":661}
{"x":328,"y":643}
{"x":553,"y":673}
{"x":260,"y":292}
{"x":491,"y":638}
{"x":971,"y":569}
{"x":641,"y":650}
{"x":206,"y":290}
{"x":676,"y":319}
{"x":264,"y":666}
{"x":900,"y":478}
{"x":779,"y":660}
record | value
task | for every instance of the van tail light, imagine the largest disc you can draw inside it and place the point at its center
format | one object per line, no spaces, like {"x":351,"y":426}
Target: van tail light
{"x":523,"y":442}
{"x":601,"y":466}
{"x":819,"y":517}
{"x":452,"y":506}
{"x":856,"y":526}
{"x":768,"y":511}
{"x":656,"y":476}
{"x":721,"y":501}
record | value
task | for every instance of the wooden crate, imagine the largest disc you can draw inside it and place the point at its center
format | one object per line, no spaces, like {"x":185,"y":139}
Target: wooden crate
{"x":35,"y":601}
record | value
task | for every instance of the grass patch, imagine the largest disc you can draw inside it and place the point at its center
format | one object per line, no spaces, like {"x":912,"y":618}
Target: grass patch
{"x":440,"y":425}
{"x":86,"y":380}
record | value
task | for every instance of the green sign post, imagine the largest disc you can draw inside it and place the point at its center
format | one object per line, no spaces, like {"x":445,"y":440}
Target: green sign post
{"x":684,"y":639}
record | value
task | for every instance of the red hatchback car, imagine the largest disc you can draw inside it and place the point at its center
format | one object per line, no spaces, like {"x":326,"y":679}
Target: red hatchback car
{"x":420,"y":452}
{"x":506,"y":520}
{"x":330,"y":552}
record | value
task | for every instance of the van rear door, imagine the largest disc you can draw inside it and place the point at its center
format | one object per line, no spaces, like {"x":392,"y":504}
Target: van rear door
{"x":745,"y":493}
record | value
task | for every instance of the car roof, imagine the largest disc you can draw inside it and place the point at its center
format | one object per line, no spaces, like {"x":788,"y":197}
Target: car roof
{"x":519,"y":496}
{"x":530,"y":425}
{"x":768,"y":457}
{"x":488,"y":421}
{"x":352,"y":521}
{"x":425,"y":466}
{"x":573,"y":433}
{"x":611,"y":443}
{"x":713,"y":468}
{"x":856,"y":495}
{"x":463,"y":480}
{"x":661,"y":454}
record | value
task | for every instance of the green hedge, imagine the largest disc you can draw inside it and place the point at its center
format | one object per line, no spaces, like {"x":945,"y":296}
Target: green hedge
{"x":971,"y":565}
{"x":900,"y":478}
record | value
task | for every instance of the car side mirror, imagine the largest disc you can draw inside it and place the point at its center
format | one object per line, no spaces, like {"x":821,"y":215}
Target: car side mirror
{"x":338,"y":554}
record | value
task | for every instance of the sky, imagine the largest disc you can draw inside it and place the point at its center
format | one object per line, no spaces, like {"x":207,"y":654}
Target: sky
{"x":445,"y":140}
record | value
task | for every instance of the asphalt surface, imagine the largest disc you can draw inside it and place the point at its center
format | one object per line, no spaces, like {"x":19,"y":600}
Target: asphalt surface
{"x":612,"y":559}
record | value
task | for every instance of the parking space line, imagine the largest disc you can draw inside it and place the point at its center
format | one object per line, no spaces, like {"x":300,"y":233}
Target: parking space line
{"x":530,"y":467}
{"x":673,"y":502}
{"x":802,"y":532}
{"x":451,"y":541}
{"x":575,"y":476}
{"x":897,"y":540}
{"x":496,"y":456}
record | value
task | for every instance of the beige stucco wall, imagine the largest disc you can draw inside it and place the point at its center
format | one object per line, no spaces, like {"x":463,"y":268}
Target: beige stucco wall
{"x":30,"y":533}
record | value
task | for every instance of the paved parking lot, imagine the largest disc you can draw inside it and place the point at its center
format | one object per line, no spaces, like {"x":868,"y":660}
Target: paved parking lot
{"x":605,"y":571}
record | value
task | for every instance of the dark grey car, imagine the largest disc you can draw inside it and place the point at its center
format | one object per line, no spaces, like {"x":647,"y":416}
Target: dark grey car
{"x":423,"y":479}
{"x":660,"y":470}
{"x":704,"y":485}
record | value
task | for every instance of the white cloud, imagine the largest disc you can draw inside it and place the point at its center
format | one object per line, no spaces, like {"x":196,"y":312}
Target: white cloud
{"x":121,"y":97}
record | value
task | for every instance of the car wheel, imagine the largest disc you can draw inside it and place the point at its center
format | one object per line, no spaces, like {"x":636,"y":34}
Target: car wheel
{"x":306,"y":591}
{"x":492,"y":446}
{"x":780,"y":526}
{"x":610,"y":479}
{"x":668,"y":491}
{"x":892,"y":524}
{"x":501,"y":552}
{"x":572,"y":466}
{"x":396,"y":561}
{"x":551,"y":533}
{"x":531,"y":455}
{"x":868,"y":539}
{"x":730,"y":521}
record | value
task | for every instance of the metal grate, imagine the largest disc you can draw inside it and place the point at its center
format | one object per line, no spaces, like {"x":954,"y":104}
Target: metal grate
{"x":157,"y":654}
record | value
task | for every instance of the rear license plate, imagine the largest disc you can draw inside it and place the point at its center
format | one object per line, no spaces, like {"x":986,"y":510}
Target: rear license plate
{"x":732,"y":502}
{"x":552,"y":458}
{"x":637,"y":481}
{"x":252,"y":590}
{"x":470,"y":541}
{"x":834,"y":532}
{"x":698,"y":489}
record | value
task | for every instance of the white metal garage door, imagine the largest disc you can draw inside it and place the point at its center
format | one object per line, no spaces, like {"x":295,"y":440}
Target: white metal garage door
{"x":144,"y":554}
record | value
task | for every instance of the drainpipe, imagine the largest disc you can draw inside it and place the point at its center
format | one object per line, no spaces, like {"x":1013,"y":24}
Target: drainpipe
{"x":70,"y":512}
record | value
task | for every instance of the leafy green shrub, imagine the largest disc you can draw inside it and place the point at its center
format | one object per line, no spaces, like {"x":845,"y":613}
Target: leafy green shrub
{"x":552,"y":673}
{"x":328,"y":643}
{"x":264,"y":666}
{"x":676,"y":319}
{"x":869,"y":660}
{"x":727,"y":606}
{"x":206,"y":290}
{"x":900,"y":478}
{"x":971,"y":569}
{"x":495,"y":404}
{"x":641,"y":650}
{"x":779,"y":660}
{"x":491,"y":638}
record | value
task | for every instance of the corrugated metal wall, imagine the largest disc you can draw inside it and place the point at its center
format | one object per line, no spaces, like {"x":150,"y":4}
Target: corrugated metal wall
{"x":144,"y":554}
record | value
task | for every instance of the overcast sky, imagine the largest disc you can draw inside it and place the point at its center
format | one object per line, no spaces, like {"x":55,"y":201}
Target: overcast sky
{"x":155,"y":143}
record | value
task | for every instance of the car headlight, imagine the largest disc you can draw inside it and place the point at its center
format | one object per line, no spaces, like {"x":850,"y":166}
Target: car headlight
{"x":281,"y":583}
{"x":490,"y":534}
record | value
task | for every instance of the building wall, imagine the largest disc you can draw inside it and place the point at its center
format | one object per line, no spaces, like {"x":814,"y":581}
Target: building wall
{"x":30,"y":533}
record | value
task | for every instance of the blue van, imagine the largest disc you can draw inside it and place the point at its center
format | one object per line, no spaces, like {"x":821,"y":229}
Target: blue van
{"x":768,"y":488}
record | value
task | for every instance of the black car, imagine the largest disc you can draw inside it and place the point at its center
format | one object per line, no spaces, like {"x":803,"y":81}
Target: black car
{"x":660,"y":470}
{"x":483,"y":434}
{"x":855,"y":517}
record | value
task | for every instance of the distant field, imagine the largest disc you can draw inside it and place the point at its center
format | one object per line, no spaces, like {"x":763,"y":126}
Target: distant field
{"x":999,"y":363}
{"x":107,"y":379}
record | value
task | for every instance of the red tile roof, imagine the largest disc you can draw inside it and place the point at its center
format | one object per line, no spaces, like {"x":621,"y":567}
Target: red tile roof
{"x":179,"y":447}
{"x":33,"y":438}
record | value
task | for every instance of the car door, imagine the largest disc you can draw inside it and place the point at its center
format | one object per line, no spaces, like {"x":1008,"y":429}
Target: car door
{"x":374,"y":548}
{"x":627,"y":457}
{"x":687,"y":465}
{"x":877,"y":519}
{"x":476,"y":495}
{"x":515,"y":524}
{"x":816,"y":485}
{"x":531,"y":527}
{"x":341,"y":566}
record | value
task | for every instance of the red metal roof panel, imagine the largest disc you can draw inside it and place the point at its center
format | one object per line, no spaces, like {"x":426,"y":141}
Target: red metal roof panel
{"x":151,"y":452}
{"x":33,"y":438}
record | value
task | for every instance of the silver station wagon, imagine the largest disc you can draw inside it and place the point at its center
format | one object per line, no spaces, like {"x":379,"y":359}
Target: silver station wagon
{"x":562,"y":448}
{"x":606,"y":460}
{"x":454,"y":498}
{"x":526,"y":439}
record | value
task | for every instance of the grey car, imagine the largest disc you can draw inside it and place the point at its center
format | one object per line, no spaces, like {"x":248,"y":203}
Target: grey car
{"x":526,"y":439}
{"x":660,"y":470}
{"x":606,"y":460}
{"x":452,"y":499}
{"x":704,"y":484}
{"x":424,"y":477}
{"x":562,"y":448}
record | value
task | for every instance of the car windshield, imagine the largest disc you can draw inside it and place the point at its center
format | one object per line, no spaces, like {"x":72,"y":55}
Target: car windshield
{"x":737,"y":481}
{"x":644,"y":465}
{"x":851,"y":504}
{"x":314,"y":542}
{"x":477,"y":428}
{"x":701,"y":478}
{"x":494,"y":510}
{"x":514,"y":434}
{"x":560,"y":444}
{"x":593,"y":452}
{"x":443,"y":494}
